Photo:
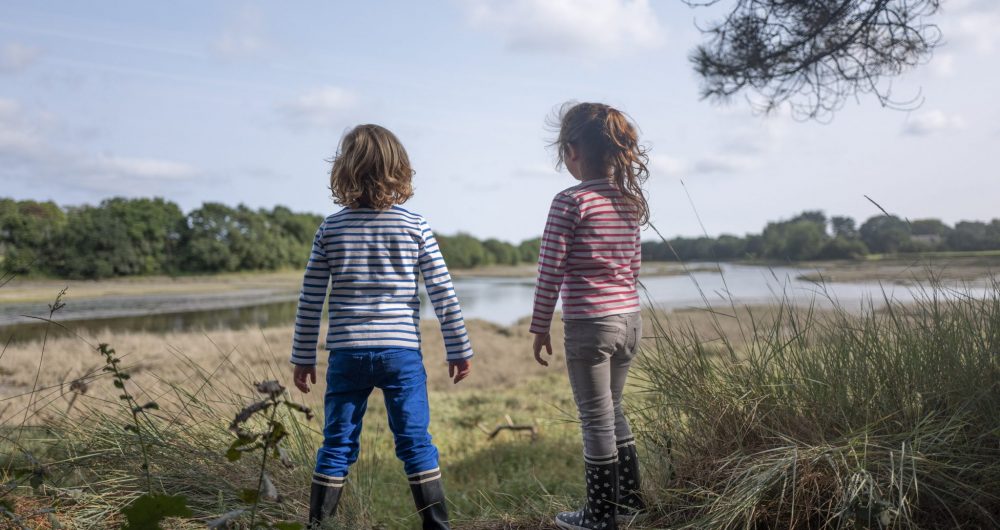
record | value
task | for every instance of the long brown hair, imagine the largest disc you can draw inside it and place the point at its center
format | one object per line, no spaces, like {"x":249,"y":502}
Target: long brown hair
{"x":371,"y":169}
{"x":608,"y":141}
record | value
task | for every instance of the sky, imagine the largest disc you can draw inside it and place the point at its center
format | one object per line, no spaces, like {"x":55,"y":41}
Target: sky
{"x":245,"y":102}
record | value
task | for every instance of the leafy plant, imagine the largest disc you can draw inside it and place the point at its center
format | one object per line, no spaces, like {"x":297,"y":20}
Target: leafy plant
{"x":267,"y":442}
{"x":148,"y":510}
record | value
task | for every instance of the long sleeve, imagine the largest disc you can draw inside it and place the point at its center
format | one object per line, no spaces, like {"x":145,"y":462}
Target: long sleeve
{"x":310,"y":308}
{"x":564,"y":215}
{"x":442,"y":295}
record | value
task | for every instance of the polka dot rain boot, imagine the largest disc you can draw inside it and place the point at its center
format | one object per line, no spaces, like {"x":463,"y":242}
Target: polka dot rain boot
{"x":630,"y":504}
{"x":602,"y":498}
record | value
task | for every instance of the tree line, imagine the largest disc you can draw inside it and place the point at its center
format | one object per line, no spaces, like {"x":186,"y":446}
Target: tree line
{"x":126,"y":237}
{"x":812,"y":236}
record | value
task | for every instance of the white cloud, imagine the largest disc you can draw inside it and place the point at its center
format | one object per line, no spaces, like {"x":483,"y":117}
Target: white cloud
{"x":142,"y":168}
{"x":26,"y":153}
{"x":667,"y":166}
{"x":576,"y":27}
{"x":244,"y":36}
{"x":321,"y":107}
{"x":724,"y":163}
{"x":931,"y":122}
{"x":16,"y":57}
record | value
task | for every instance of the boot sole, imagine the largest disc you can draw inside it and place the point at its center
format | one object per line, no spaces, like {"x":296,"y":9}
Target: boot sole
{"x":567,"y":526}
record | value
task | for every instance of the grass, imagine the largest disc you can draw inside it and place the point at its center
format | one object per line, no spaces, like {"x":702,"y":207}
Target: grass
{"x":913,"y":270}
{"x":938,"y":254}
{"x":761,"y":417}
{"x":201,"y":380}
{"x":884,"y":419}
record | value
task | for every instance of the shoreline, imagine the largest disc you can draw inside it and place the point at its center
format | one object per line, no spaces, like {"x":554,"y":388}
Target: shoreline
{"x":165,"y":295}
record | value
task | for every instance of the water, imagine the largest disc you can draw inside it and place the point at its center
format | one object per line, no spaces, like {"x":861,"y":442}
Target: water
{"x":500,"y":300}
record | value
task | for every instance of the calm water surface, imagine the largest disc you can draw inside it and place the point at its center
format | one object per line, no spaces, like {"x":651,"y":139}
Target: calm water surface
{"x":499,"y":300}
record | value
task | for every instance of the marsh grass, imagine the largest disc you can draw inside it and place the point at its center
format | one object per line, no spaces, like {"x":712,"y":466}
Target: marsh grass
{"x":750,"y":417}
{"x":94,"y":467}
{"x":883,"y":418}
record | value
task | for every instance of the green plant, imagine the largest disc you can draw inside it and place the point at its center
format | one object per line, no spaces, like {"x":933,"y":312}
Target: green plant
{"x":267,"y":442}
{"x":146,"y":511}
{"x":810,"y":417}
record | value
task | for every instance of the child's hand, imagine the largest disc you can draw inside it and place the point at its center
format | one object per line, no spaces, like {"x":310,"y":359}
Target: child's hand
{"x":542,"y":339}
{"x":463,"y":369}
{"x":300,"y":374}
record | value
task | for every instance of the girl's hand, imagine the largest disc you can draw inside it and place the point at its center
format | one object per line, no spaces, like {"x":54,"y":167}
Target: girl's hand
{"x":300,"y":374}
{"x":463,"y":369}
{"x":542,"y":339}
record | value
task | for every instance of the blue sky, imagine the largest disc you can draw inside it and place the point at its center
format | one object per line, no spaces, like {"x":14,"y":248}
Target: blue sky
{"x":243,"y":102}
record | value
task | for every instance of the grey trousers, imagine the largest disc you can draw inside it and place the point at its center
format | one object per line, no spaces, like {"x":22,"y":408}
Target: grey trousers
{"x":599,"y":352}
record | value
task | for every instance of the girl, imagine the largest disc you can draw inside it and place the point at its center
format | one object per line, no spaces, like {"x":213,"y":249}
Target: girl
{"x":373,"y":250}
{"x":591,"y":252}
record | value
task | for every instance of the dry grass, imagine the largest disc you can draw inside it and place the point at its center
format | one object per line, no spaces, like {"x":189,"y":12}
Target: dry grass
{"x":231,"y":359}
{"x":41,"y":290}
{"x":201,"y":379}
{"x":906,"y":270}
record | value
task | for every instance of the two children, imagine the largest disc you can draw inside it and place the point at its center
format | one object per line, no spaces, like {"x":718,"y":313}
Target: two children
{"x":373,"y":250}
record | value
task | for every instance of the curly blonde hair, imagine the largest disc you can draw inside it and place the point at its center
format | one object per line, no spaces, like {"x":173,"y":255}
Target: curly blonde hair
{"x":371,"y":170}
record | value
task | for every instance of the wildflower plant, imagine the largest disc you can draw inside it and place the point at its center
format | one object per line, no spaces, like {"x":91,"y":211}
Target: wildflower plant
{"x":267,"y":442}
{"x":149,"y":509}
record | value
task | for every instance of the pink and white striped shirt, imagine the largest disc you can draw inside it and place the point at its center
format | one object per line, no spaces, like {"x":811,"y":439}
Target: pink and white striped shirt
{"x":590,"y":252}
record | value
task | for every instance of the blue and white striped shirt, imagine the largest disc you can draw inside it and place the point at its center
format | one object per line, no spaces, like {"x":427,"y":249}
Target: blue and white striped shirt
{"x":373,"y":258}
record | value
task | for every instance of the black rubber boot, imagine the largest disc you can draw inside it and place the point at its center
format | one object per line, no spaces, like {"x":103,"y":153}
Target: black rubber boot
{"x":602,"y":499}
{"x":323,"y":498}
{"x":428,"y":495}
{"x":630,"y":503}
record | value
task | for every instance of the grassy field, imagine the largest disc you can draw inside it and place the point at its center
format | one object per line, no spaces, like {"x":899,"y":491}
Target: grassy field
{"x":200,"y":380}
{"x":759,"y":417}
{"x":908,"y":270}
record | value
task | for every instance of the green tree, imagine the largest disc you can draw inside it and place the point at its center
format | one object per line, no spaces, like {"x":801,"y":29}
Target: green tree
{"x":26,"y":230}
{"x":801,"y":238}
{"x":503,"y":253}
{"x":969,"y":235}
{"x":885,"y":233}
{"x":207,"y":240}
{"x":929,"y":227}
{"x":528,"y":250}
{"x":843,"y":227}
{"x":728,"y":247}
{"x":463,"y":251}
{"x":842,"y":247}
{"x":119,"y":237}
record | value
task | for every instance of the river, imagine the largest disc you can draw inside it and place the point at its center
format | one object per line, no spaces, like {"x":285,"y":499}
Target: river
{"x":499,"y":300}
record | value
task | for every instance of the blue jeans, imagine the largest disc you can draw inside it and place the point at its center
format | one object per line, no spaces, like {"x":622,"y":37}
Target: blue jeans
{"x":352,"y":375}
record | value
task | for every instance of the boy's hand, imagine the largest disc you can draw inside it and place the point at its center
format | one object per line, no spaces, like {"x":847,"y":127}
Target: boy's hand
{"x":542,"y":339}
{"x":459,"y":369}
{"x":301,"y":372}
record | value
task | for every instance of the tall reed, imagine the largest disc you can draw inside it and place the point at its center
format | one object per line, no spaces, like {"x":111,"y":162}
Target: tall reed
{"x":883,"y":418}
